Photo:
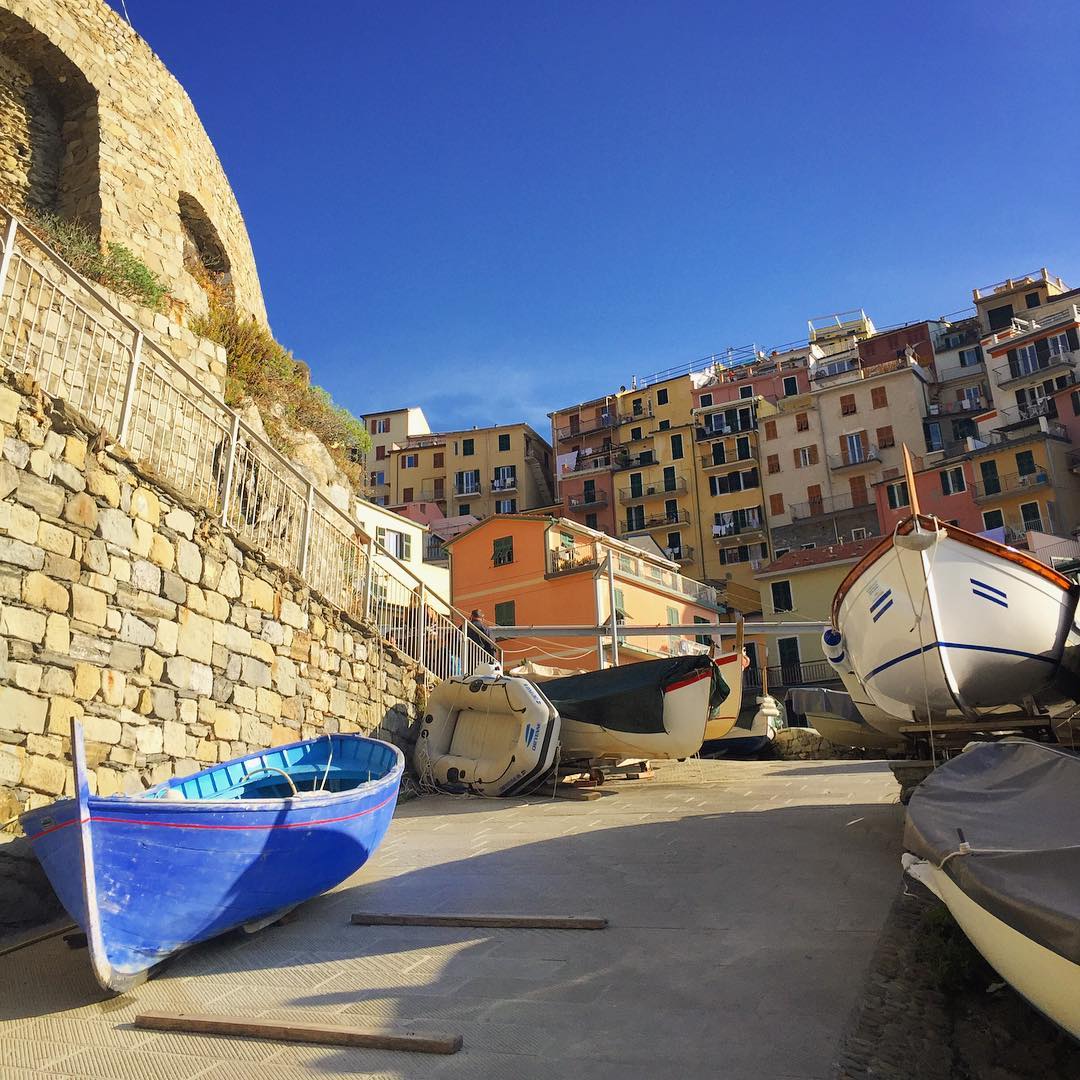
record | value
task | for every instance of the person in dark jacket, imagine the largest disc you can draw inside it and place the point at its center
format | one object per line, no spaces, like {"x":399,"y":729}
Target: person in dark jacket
{"x":479,"y":633}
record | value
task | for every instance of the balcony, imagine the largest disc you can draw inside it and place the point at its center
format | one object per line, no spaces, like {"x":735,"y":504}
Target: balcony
{"x":955,"y":374}
{"x":1002,"y":486}
{"x":634,"y":461}
{"x":434,"y":552}
{"x":463,"y":491}
{"x":652,"y":491}
{"x":949,"y":340}
{"x":655,"y":521}
{"x":632,"y":417}
{"x":578,"y":503}
{"x":707,"y":462}
{"x":603,"y":422}
{"x":828,"y":504}
{"x":804,"y":673}
{"x":1036,"y":277}
{"x":869,"y":455}
{"x":952,"y":408}
{"x":1032,"y":413}
{"x":591,"y":461}
{"x":716,"y":431}
{"x":682,"y":554}
{"x":739,"y":532}
{"x":563,"y":560}
{"x":1017,"y":371}
{"x":504,"y":484}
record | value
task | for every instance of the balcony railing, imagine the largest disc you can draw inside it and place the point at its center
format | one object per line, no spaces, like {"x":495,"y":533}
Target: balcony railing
{"x":1009,"y":485}
{"x":868,"y":455}
{"x":589,"y":427}
{"x":708,"y":462}
{"x":1027,"y":414}
{"x":955,"y":374}
{"x":716,"y":431}
{"x":731,"y":529}
{"x":634,"y":461}
{"x":804,"y":673}
{"x":652,"y":491}
{"x":561,"y":560}
{"x":655,"y":521}
{"x":948,"y":340}
{"x":1017,"y":370}
{"x":966,"y":405}
{"x":504,"y":484}
{"x":829,"y":504}
{"x":591,"y":461}
{"x":434,"y":551}
{"x":1034,"y":278}
{"x":587,"y":502}
{"x":461,"y":490}
{"x":632,"y":417}
{"x":682,"y":554}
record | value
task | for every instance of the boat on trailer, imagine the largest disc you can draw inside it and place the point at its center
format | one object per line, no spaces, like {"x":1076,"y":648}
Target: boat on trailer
{"x":655,"y":709}
{"x":939,"y":623}
{"x":752,"y":732}
{"x":238,"y":844}
{"x":993,"y":834}
{"x":723,"y":715}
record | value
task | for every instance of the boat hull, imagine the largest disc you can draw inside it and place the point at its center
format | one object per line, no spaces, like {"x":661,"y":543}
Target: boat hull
{"x":146,"y":877}
{"x":722,"y":717}
{"x":953,"y":629}
{"x":1051,"y":983}
{"x":835,"y":716}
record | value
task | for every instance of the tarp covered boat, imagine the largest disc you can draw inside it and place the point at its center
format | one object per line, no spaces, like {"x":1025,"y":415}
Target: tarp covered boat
{"x":487,"y":733}
{"x":834,"y":715}
{"x":655,"y":709}
{"x":751,"y":733}
{"x":994,"y":833}
{"x":233,"y":845}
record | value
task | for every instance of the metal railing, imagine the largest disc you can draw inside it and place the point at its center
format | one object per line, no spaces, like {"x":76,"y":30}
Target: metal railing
{"x":503,"y":484}
{"x":1018,"y":369}
{"x":869,"y":455}
{"x":567,"y":557}
{"x":584,"y":502}
{"x":461,"y":490}
{"x":652,"y":491}
{"x":66,"y":334}
{"x":1025,"y":414}
{"x":654,"y":521}
{"x":828,"y":504}
{"x":708,"y":461}
{"x":803,"y":673}
{"x":736,"y":527}
{"x":992,"y":487}
{"x":644,"y":413}
{"x":716,"y":431}
{"x":591,"y":460}
{"x":589,"y":427}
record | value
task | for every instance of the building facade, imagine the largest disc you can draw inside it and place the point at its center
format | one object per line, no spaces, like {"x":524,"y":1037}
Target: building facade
{"x":389,"y":429}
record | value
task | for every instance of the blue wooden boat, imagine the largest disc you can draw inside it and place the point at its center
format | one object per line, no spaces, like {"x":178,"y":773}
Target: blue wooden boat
{"x":235,"y":845}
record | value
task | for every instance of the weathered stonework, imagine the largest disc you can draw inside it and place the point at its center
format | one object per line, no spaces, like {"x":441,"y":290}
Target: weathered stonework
{"x":92,"y":126}
{"x":174,"y":647}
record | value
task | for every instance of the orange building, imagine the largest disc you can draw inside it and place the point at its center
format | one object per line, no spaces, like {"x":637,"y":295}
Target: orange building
{"x":522,"y":569}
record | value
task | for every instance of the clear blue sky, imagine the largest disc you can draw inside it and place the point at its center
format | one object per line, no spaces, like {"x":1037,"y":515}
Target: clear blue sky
{"x":494,"y":209}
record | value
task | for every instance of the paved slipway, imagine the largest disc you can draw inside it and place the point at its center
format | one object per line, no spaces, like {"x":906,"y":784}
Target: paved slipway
{"x":745,"y":901}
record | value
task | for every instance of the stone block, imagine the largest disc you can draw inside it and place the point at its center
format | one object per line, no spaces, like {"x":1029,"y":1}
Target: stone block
{"x":167,"y":635}
{"x":87,"y":681}
{"x":163,"y":703}
{"x":293,"y":615}
{"x":102,"y":729}
{"x":273,"y":632}
{"x":211,"y":572}
{"x":11,"y":765}
{"x":40,"y":495}
{"x":174,"y":739}
{"x":196,"y":636}
{"x":254,"y":732}
{"x":23,"y":624}
{"x":244,"y":697}
{"x":18,"y":553}
{"x":188,"y":561}
{"x":144,"y":537}
{"x":280,"y":735}
{"x":206,"y":751}
{"x":229,"y":584}
{"x":226,"y":724}
{"x":20,"y":711}
{"x":81,"y":510}
{"x":58,"y":634}
{"x":268,"y":703}
{"x":102,"y":583}
{"x":217,"y":607}
{"x":40,"y":591}
{"x":41,"y":464}
{"x":75,"y":452}
{"x":68,"y":476}
{"x":125,"y":656}
{"x":257,"y":593}
{"x":153,"y":665}
{"x":70,"y":570}
{"x":284,"y":673}
{"x":145,"y":505}
{"x":113,"y":685}
{"x":95,"y":557}
{"x":181,"y":521}
{"x":196,"y":600}
{"x":56,"y":539}
{"x":223,"y":689}
{"x":162,"y":552}
{"x":174,"y":588}
{"x":186,"y":674}
{"x":20,"y":522}
{"x":150,"y":739}
{"x":115,"y":527}
{"x":55,"y":681}
{"x":88,"y":605}
{"x":27,"y":676}
{"x":146,"y":576}
{"x":263,"y":650}
{"x":100,"y":483}
{"x":16,"y":452}
{"x":10,"y":401}
{"x":43,"y":774}
{"x":255,"y":672}
{"x":61,"y":712}
{"x":136,"y":631}
{"x":234,"y":638}
{"x":85,"y":647}
{"x":122,"y":755}
{"x":144,"y":604}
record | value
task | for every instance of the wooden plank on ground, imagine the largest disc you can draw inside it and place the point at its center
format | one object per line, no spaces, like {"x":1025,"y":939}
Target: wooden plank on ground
{"x":283,"y":1031}
{"x":523,"y":922}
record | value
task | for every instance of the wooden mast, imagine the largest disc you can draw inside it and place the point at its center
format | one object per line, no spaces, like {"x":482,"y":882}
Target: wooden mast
{"x":909,"y":475}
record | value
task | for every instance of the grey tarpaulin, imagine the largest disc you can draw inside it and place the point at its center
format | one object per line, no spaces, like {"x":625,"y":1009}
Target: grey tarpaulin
{"x":805,"y":699}
{"x":1018,"y":805}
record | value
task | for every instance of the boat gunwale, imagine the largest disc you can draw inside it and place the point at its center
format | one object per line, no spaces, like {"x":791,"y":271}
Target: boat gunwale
{"x":991,"y":547}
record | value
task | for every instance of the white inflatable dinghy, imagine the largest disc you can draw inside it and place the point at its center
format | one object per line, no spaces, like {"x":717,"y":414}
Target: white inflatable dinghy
{"x":489,"y":733}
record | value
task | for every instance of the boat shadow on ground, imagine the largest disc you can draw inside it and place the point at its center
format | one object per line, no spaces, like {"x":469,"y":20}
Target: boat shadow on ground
{"x":697,"y":908}
{"x":845,"y":766}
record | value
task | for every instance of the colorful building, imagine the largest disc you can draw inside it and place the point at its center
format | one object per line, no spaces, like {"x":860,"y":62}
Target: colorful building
{"x":522,"y":569}
{"x":388,"y":429}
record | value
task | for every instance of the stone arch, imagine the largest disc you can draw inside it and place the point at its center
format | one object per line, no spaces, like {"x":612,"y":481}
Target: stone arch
{"x":205,"y":256}
{"x":48,"y":128}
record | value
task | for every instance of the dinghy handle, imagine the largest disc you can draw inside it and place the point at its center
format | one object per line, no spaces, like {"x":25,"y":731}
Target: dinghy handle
{"x":271,"y":768}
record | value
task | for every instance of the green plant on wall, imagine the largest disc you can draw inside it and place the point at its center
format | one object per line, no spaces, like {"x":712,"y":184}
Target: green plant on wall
{"x":115,"y":267}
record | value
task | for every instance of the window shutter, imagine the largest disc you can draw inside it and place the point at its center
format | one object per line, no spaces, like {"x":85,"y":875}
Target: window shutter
{"x":844,"y":455}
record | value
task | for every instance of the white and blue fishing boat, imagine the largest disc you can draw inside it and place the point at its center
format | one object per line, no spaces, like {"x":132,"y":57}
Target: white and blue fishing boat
{"x":235,"y":845}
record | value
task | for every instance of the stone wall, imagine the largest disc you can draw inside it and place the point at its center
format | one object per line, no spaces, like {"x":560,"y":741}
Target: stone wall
{"x":174,"y":647}
{"x":93,"y":126}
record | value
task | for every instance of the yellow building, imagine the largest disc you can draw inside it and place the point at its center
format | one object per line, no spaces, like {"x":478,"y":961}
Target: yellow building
{"x":389,"y":429}
{"x":482,"y":471}
{"x":799,"y":587}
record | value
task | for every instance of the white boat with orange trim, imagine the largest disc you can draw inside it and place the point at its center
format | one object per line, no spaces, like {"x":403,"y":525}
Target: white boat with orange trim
{"x":939,"y":623}
{"x":731,"y":665}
